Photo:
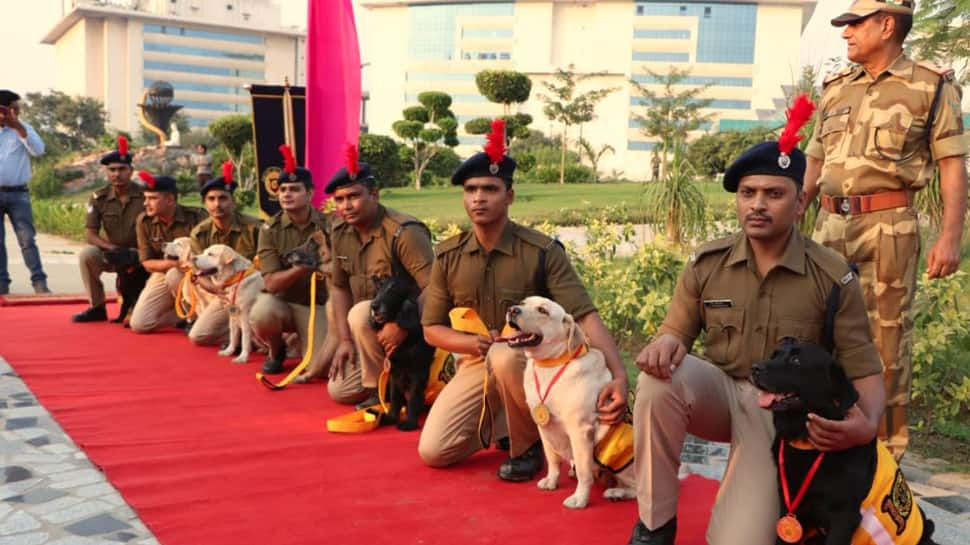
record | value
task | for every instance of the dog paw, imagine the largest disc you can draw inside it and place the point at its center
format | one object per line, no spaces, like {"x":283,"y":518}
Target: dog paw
{"x":576,"y":501}
{"x":226,"y":352}
{"x":241,"y":358}
{"x":619,"y":494}
{"x":548,"y":483}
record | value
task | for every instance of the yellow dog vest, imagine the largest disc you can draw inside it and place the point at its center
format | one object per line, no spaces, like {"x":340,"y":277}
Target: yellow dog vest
{"x":889,"y":513}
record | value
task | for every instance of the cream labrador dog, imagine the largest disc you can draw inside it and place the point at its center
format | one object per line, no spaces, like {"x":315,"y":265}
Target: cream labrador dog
{"x":238,"y":284}
{"x":180,"y":249}
{"x":563,"y":377}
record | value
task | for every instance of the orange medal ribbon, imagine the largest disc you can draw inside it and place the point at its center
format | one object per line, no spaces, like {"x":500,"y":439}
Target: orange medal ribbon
{"x":540,"y":413}
{"x":788,"y":527}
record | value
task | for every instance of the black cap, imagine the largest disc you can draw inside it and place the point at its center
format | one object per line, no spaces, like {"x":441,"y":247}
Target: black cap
{"x":162,"y":184}
{"x":343,"y":179}
{"x":299,"y":175}
{"x":480,"y":164}
{"x":217,"y":183}
{"x":765,"y":158}
{"x":114,"y":156}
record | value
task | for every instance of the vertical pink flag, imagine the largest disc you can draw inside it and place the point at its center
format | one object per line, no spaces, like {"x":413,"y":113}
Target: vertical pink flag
{"x":333,"y":91}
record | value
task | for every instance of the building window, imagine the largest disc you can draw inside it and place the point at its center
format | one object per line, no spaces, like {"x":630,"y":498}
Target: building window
{"x":203,"y":52}
{"x":717,"y":81}
{"x":723,"y":36}
{"x":434,"y":27}
{"x":659,"y":34}
{"x":205,"y":34}
{"x":707,"y":12}
{"x":661,"y":56}
{"x":214,"y":106}
{"x":722,"y":104}
{"x":200,"y":87}
{"x":640,"y":145}
{"x":257,"y":75}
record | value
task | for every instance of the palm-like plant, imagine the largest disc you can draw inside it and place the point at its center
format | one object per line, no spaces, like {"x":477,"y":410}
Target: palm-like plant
{"x":593,"y":155}
{"x":676,"y":204}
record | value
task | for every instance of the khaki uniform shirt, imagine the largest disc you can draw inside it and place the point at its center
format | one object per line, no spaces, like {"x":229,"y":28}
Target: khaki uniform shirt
{"x":106,"y":209}
{"x":745,"y":317}
{"x":153,"y":234}
{"x":280,"y":235}
{"x":465,"y":275}
{"x":357,"y":261}
{"x":241,"y":236}
{"x":870,"y":133}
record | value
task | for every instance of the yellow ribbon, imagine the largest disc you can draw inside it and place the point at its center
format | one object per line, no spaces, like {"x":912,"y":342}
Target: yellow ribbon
{"x":308,"y":353}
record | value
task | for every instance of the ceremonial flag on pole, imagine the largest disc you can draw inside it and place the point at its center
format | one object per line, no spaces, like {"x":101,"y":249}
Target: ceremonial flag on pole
{"x":333,"y":91}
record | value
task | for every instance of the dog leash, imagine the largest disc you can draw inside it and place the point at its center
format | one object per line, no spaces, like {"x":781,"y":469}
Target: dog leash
{"x":192,"y":297}
{"x":788,"y":528}
{"x":308,"y":353}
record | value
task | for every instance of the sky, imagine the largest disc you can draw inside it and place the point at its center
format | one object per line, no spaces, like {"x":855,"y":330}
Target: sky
{"x":29,"y":66}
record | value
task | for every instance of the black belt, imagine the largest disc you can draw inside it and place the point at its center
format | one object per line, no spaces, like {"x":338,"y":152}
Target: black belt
{"x":12,"y":188}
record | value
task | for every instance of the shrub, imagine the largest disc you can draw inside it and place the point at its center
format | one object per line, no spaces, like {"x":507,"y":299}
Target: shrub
{"x":64,"y":219}
{"x":941,"y":342}
{"x":45,"y":183}
{"x":245,"y":198}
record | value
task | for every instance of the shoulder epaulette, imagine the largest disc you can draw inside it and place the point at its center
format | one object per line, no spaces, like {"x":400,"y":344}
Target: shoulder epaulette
{"x":713,"y":247}
{"x":944,"y":72}
{"x":101,"y":193}
{"x":274,"y":220}
{"x":246,"y":219}
{"x":451,"y":243}
{"x":831,"y":263}
{"x":400,"y":217}
{"x":835,"y":76}
{"x":533,"y":237}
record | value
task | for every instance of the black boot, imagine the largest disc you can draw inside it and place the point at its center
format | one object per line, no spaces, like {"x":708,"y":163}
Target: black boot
{"x":372,"y":399}
{"x":661,"y":536}
{"x":274,"y":365}
{"x":91,"y":314}
{"x":524,"y":466}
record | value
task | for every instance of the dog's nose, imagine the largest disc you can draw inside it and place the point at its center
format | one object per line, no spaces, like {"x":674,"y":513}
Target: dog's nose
{"x":515,"y":311}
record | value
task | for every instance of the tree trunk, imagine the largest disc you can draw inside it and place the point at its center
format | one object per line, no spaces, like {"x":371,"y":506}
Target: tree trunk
{"x":562,"y":158}
{"x":417,"y":169}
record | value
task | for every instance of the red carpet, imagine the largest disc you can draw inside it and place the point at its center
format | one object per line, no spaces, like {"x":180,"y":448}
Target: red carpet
{"x":206,"y":455}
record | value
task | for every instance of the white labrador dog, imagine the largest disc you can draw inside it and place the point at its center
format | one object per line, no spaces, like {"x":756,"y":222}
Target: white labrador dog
{"x":547,"y":333}
{"x":225,"y":268}
{"x":180,"y":249}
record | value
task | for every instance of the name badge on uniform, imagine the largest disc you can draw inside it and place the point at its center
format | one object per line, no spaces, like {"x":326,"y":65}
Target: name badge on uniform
{"x":718,"y":303}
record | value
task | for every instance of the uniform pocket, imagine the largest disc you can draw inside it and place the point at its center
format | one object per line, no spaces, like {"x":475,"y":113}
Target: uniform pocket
{"x":834,"y":125}
{"x":723,"y":327}
{"x":804,"y":331}
{"x":890,"y":138}
{"x":111,"y":222}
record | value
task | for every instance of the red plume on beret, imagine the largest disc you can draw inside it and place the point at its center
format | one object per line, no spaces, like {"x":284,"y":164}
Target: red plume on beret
{"x":350,"y":155}
{"x":799,"y":114}
{"x":227,"y":172}
{"x":289,"y":162}
{"x":122,"y":145}
{"x":145,"y":177}
{"x":495,"y":142}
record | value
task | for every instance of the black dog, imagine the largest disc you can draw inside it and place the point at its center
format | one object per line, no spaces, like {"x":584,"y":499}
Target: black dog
{"x":411,"y":361}
{"x":130,"y":280}
{"x":803,"y":378}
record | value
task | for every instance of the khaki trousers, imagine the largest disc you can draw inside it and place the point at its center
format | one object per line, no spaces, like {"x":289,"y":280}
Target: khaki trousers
{"x":450,"y":433}
{"x":155,"y":307}
{"x":272,"y":316}
{"x":885,"y":246}
{"x":211,"y":327}
{"x":92,"y":266}
{"x":702,"y":400}
{"x":356,"y":378}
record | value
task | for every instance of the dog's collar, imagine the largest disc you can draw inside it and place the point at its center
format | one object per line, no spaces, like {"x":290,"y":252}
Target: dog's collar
{"x":238,"y":277}
{"x":800,"y":444}
{"x":565,"y":357}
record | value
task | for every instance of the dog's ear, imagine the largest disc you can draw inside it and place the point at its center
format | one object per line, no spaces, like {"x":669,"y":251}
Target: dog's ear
{"x":185,"y":256}
{"x":226,"y":256}
{"x":845,"y":393}
{"x":574,"y":336}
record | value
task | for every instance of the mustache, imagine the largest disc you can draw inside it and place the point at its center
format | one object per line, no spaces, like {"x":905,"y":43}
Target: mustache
{"x":756,"y":216}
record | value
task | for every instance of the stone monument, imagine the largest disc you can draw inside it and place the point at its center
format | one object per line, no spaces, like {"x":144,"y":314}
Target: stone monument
{"x":156,"y":109}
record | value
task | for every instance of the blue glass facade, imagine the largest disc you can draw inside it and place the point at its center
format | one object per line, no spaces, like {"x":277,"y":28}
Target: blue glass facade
{"x":217,"y":106}
{"x":434,"y":27}
{"x":744,"y":124}
{"x":662,"y":56}
{"x":720,"y":81}
{"x":636,"y":124}
{"x":203,"y":52}
{"x":208,"y":70}
{"x":653,"y":34}
{"x":725,"y":32}
{"x":718,"y":104}
{"x":204,"y":34}
{"x":202,"y":87}
{"x":640,"y":145}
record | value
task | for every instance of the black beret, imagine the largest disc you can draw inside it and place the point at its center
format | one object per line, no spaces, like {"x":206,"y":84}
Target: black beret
{"x":480,"y":165}
{"x":162,"y":184}
{"x":217,"y":183}
{"x":114,"y":156}
{"x":342,"y":178}
{"x":299,"y":175}
{"x":765,"y":158}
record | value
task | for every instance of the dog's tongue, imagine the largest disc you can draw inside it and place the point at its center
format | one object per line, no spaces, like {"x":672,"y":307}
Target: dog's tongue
{"x":765,"y":399}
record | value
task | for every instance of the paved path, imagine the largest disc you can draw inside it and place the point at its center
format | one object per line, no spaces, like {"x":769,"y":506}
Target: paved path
{"x":59,"y":259}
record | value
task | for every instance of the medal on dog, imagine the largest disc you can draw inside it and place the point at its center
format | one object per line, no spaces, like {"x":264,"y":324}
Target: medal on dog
{"x":789,"y":529}
{"x":541,"y":415}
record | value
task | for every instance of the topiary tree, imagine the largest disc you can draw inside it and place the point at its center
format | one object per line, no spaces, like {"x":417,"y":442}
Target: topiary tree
{"x":233,"y":132}
{"x":504,"y":87}
{"x":427,"y":129}
{"x":381,"y":153}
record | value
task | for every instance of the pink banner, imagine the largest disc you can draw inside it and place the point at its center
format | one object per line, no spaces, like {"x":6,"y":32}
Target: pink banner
{"x":333,"y":91}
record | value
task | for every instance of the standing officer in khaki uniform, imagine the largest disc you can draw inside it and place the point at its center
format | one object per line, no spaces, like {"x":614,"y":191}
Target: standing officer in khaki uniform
{"x":115,"y":209}
{"x":164,"y":220}
{"x":369,"y":241}
{"x":881,"y":128}
{"x":489,"y":269}
{"x":748,"y":292}
{"x":225,"y":225}
{"x":285,"y":304}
